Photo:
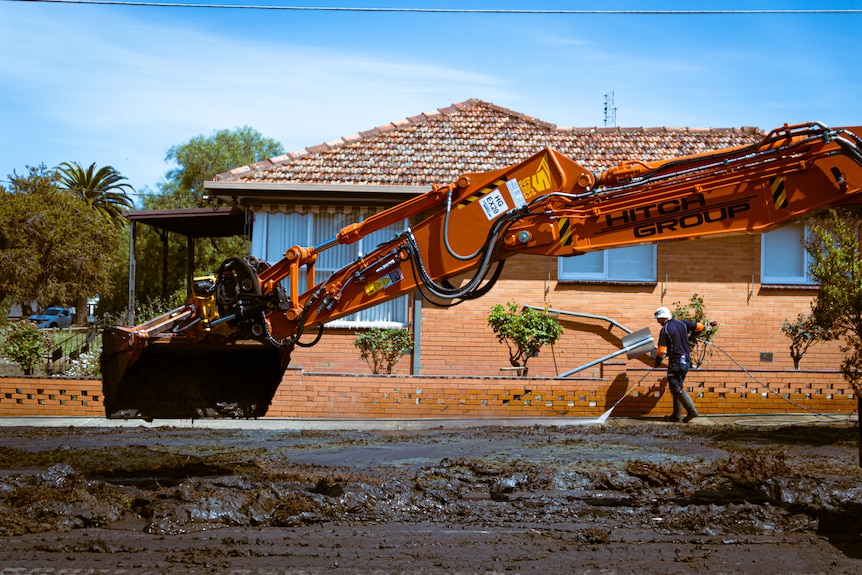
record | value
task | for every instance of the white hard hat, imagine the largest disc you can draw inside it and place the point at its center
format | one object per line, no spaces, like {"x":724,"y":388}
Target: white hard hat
{"x":662,"y":313}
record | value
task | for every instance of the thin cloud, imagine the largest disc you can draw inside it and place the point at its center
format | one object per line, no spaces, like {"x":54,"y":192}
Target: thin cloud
{"x":148,"y":87}
{"x":120,"y":86}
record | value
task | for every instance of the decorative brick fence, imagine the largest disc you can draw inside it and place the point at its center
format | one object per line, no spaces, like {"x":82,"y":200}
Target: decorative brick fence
{"x":311,"y":395}
{"x":340,"y":395}
{"x":50,"y":396}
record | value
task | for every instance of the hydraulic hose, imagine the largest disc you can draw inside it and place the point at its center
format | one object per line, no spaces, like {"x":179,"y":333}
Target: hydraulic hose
{"x":449,"y":248}
{"x":472,"y":290}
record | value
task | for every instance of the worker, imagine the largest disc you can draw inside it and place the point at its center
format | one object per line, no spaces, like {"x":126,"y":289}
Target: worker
{"x":673,"y":344}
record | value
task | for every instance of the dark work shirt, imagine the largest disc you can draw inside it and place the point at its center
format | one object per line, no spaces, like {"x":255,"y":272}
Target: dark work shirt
{"x":674,"y":337}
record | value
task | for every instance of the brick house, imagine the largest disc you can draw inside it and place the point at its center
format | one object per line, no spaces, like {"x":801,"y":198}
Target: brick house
{"x":749,"y":283}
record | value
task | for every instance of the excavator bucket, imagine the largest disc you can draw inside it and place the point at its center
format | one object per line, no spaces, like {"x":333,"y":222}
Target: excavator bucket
{"x":178,"y":379}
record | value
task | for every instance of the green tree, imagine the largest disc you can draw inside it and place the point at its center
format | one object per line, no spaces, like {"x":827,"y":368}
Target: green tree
{"x":103,"y":189}
{"x":25,"y":344}
{"x":198,"y":160}
{"x":53,"y":245}
{"x":524,"y":331}
{"x":833,"y":246}
{"x":203,"y":157}
{"x":803,"y":333}
{"x":382,"y":348}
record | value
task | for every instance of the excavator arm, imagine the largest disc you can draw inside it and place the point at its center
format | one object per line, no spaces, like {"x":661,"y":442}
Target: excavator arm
{"x":224,"y":353}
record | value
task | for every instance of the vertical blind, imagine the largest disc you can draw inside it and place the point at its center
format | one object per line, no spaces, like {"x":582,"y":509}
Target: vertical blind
{"x":274,"y":232}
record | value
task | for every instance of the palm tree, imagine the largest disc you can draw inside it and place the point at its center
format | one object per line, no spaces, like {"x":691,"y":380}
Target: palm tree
{"x":103,"y":189}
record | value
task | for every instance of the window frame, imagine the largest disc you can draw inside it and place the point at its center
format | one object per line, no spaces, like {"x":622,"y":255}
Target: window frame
{"x":778,"y":280}
{"x":568,"y":276}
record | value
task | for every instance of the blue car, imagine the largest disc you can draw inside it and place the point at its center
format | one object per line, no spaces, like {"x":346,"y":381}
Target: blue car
{"x":54,"y":317}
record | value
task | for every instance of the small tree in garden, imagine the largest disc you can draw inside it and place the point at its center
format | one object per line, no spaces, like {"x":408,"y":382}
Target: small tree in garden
{"x":25,"y":344}
{"x":803,"y":333}
{"x":382,"y":348}
{"x":524,"y":331}
{"x":833,"y":244}
{"x":695,"y":310}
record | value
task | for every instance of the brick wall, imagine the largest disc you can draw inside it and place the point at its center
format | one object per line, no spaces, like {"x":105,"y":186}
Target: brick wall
{"x":332,"y":395}
{"x":724,"y":270}
{"x":62,"y":397}
{"x":715,"y":392}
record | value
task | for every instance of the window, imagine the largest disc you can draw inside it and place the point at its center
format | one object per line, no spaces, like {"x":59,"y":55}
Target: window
{"x":629,"y":264}
{"x":783,"y":258}
{"x":276,"y":231}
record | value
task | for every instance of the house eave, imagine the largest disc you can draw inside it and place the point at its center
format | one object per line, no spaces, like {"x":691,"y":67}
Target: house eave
{"x":264,"y":193}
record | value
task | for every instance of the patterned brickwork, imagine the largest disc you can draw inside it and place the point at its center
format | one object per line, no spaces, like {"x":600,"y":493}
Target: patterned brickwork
{"x":311,"y":395}
{"x":332,"y":395}
{"x":32,"y":396}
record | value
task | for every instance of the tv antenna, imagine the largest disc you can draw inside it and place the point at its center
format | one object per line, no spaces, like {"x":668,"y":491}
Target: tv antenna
{"x":610,"y":110}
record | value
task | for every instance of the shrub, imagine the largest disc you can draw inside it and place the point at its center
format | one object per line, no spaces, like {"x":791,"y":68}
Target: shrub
{"x":803,"y":333}
{"x":5,"y":308}
{"x":87,"y":365}
{"x":25,"y":344}
{"x":524,"y":331}
{"x":695,"y":310}
{"x":382,"y":348}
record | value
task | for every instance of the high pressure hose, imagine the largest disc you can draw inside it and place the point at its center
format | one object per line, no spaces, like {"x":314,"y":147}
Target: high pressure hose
{"x":763,"y":385}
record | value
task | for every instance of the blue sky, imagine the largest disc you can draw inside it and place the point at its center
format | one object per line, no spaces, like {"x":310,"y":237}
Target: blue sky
{"x":120,"y":85}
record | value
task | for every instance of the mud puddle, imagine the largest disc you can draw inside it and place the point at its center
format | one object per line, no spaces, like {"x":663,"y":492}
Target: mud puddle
{"x":606,"y":499}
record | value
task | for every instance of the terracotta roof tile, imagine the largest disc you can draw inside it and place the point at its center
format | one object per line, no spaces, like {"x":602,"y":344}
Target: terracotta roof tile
{"x":475,"y":136}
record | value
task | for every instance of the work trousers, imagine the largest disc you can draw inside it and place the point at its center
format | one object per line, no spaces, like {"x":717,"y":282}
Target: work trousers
{"x":677,"y":369}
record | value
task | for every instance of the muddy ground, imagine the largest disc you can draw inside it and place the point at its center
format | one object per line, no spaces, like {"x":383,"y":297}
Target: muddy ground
{"x":624,"y":497}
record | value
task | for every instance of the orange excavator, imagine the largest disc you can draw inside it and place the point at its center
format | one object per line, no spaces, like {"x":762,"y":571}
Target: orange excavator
{"x":224,"y":353}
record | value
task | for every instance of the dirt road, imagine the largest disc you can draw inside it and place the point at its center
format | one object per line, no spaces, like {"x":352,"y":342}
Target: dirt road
{"x":625,"y":497}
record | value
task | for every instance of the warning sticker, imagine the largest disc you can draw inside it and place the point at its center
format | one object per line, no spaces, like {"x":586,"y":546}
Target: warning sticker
{"x":384,"y":282}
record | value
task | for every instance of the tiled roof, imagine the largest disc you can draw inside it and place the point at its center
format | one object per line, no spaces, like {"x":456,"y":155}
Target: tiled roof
{"x":475,"y":136}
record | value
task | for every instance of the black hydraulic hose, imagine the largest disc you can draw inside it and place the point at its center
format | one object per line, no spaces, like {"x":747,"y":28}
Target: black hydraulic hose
{"x":850,"y":143}
{"x":472,"y":289}
{"x":446,"y":234}
{"x":439,"y":290}
{"x":749,"y":153}
{"x":314,"y":341}
{"x":482,"y":290}
{"x":474,"y":294}
{"x":293,"y":339}
{"x":854,"y":150}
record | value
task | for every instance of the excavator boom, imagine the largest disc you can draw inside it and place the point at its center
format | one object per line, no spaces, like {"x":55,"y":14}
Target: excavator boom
{"x":224,"y":353}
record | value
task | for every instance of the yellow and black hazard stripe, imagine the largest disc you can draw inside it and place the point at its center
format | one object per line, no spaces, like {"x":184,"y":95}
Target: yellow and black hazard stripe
{"x":565,"y":230}
{"x":479,"y":193}
{"x":779,"y":194}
